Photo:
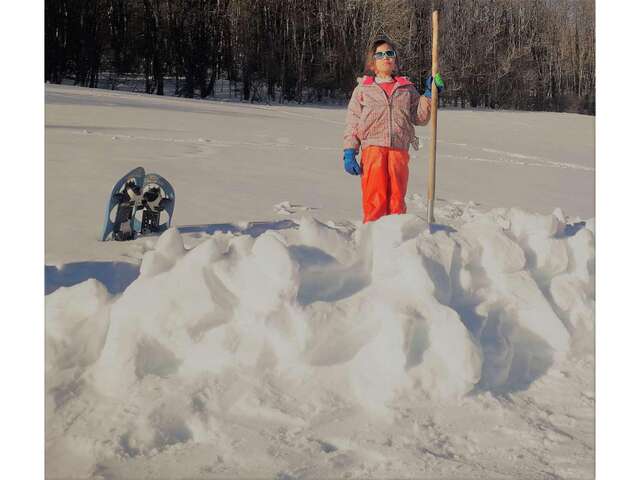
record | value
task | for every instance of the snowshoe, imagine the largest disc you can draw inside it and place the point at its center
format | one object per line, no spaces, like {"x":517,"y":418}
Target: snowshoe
{"x":125,"y":199}
{"x":158,"y":196}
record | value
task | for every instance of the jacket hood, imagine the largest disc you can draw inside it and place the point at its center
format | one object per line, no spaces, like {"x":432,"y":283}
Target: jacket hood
{"x":370,"y":80}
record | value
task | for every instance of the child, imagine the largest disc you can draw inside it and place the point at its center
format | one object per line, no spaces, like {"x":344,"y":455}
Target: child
{"x":381,"y":116}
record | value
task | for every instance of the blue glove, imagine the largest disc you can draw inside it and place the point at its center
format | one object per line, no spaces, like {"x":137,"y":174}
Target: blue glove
{"x":350,"y":163}
{"x":429,"y":81}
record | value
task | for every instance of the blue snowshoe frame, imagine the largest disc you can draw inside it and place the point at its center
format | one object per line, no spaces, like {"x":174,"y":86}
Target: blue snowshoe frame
{"x":138,"y":175}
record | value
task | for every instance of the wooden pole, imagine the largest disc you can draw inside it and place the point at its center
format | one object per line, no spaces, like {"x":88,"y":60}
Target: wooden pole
{"x":431,"y":185}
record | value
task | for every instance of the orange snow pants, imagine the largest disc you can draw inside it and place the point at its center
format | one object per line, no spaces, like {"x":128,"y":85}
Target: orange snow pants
{"x":385,"y":173}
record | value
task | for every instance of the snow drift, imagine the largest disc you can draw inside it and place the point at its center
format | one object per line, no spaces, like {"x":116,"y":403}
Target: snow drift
{"x":286,"y":325}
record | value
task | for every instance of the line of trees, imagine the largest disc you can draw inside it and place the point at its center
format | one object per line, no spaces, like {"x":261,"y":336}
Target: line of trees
{"x":522,"y":54}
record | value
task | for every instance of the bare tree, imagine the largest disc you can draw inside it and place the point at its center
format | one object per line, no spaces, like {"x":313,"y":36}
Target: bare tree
{"x":523,"y":54}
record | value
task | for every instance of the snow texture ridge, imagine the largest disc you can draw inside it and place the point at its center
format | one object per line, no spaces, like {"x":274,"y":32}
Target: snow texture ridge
{"x":284,"y":326}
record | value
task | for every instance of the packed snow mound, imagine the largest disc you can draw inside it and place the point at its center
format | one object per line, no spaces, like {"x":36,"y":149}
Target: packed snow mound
{"x":296,"y":321}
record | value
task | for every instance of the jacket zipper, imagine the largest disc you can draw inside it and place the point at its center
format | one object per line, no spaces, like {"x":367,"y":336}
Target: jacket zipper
{"x":390,"y":104}
{"x":390,"y":101}
{"x":390,"y":116}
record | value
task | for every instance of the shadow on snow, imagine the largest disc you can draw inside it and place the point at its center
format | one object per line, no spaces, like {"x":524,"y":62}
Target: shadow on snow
{"x":116,"y":276}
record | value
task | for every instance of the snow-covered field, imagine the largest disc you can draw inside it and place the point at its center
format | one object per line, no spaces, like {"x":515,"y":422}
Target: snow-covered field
{"x":272,"y":335}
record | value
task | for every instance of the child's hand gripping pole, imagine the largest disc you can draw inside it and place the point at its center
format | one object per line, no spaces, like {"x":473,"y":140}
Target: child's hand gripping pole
{"x":433,"y":80}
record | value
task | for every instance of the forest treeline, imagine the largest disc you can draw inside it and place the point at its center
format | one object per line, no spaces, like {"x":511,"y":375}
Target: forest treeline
{"x":508,"y":54}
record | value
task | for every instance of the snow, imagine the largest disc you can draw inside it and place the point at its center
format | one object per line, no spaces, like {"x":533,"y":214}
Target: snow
{"x":313,"y":346}
{"x":229,"y":163}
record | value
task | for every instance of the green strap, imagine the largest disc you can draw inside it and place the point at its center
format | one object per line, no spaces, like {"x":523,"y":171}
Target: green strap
{"x":438,"y":80}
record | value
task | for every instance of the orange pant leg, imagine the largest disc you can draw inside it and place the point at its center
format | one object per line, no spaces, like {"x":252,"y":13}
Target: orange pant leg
{"x":398,"y":172}
{"x":375,"y":183}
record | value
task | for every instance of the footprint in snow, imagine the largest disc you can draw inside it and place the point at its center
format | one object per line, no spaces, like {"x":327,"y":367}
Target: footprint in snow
{"x":287,"y":208}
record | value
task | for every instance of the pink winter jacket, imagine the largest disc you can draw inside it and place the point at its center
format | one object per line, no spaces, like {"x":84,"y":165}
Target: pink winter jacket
{"x":375,"y":119}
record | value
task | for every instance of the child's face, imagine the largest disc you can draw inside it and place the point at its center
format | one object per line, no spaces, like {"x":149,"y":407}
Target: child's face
{"x":386,"y":65}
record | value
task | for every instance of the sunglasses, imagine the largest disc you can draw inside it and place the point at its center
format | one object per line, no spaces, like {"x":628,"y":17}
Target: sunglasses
{"x":381,"y":55}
